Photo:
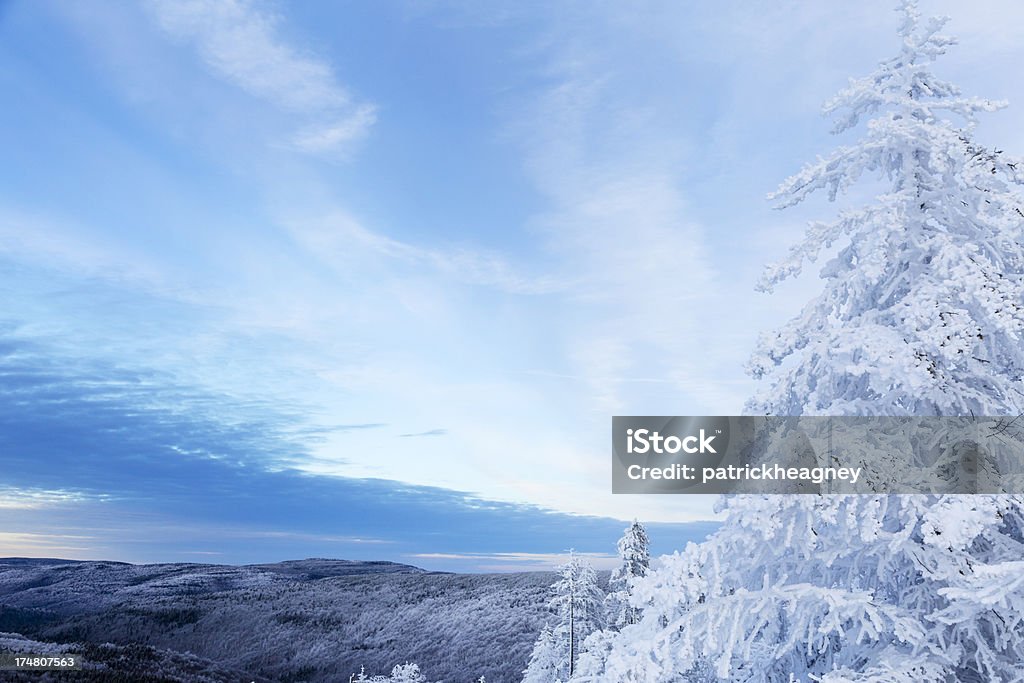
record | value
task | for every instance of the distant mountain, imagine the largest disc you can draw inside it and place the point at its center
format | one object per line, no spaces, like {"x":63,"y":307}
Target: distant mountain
{"x":305,"y":620}
{"x":318,"y":568}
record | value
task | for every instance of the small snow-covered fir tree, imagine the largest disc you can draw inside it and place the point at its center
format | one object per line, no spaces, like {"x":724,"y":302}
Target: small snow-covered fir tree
{"x":636,"y":560}
{"x":549,"y":660}
{"x":578,"y":603}
{"x":921,"y":314}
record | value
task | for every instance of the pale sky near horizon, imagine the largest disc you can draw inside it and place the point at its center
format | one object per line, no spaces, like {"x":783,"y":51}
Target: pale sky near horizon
{"x":256,"y":253}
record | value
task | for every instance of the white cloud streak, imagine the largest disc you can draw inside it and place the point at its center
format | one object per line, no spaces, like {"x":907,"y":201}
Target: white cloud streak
{"x":16,"y":544}
{"x":345,"y":244}
{"x":36,"y":499}
{"x":240,"y":42}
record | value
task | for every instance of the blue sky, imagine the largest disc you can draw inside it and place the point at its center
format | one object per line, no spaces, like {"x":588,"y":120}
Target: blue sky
{"x":369,"y":280}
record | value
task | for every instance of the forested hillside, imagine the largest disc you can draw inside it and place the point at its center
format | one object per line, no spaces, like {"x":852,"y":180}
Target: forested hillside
{"x":309,"y":620}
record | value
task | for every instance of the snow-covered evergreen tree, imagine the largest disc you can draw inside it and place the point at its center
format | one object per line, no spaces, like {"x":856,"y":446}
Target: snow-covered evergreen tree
{"x":578,"y":604}
{"x":549,"y":660}
{"x":636,"y":560}
{"x":922,"y":311}
{"x":921,"y":314}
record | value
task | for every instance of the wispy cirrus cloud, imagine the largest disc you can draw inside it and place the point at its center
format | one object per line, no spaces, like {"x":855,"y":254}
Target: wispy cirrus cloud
{"x":313,"y":538}
{"x":14,"y":498}
{"x":16,"y":544}
{"x":344,"y":243}
{"x":613,"y":169}
{"x":40,"y":237}
{"x":241,"y":43}
{"x":429,"y":432}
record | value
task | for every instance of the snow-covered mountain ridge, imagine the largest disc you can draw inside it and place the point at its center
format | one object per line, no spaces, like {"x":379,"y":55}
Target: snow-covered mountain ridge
{"x":303,"y":620}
